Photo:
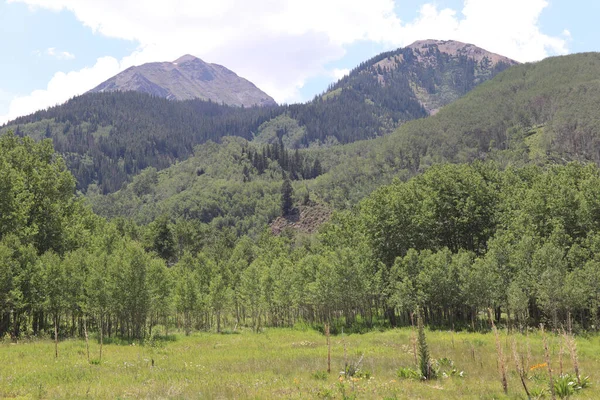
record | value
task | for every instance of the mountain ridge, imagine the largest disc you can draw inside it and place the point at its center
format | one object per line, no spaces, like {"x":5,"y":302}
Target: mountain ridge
{"x":109,"y":137}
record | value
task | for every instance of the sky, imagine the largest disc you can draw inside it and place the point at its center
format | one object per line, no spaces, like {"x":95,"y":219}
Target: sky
{"x":292,"y":49}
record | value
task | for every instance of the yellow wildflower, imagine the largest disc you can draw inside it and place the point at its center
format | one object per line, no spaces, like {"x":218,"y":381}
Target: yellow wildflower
{"x":537,"y":366}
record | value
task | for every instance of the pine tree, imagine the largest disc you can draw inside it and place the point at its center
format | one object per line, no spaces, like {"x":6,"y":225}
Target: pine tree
{"x":164,"y":242}
{"x":287,"y":202}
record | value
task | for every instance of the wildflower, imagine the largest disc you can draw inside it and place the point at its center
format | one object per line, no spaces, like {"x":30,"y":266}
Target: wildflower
{"x":538,"y":366}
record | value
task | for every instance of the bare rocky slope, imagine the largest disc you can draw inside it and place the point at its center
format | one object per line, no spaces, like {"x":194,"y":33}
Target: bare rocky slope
{"x":187,"y":78}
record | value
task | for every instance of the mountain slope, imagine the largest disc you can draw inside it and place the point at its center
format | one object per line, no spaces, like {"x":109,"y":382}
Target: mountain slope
{"x":437,"y":71}
{"x":533,"y":113}
{"x":188,"y":78}
{"x":544,"y":112}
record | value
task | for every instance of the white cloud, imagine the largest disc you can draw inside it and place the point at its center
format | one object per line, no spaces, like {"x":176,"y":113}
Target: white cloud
{"x":339,"y":73}
{"x":508,"y":27}
{"x":5,"y":99}
{"x":280,"y":44}
{"x":60,"y":55}
{"x":62,"y":87}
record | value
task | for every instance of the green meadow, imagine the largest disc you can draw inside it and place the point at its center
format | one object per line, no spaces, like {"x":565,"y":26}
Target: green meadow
{"x":291,"y":363}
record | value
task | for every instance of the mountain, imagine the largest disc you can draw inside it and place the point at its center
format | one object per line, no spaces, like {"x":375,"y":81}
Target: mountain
{"x":110,"y":136}
{"x":188,"y":78}
{"x":540,"y":113}
{"x":386,"y":91}
{"x":437,"y":71}
{"x":535,"y":113}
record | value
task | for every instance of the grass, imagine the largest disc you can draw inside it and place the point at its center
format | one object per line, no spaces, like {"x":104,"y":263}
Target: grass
{"x":279,"y":363}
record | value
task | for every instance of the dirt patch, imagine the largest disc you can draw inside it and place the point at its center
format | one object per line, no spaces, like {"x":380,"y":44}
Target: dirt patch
{"x":306,"y":219}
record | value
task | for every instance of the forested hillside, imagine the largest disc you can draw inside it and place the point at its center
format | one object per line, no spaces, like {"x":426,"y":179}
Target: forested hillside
{"x":107,"y":138}
{"x":531,"y":114}
{"x":537,"y":113}
{"x":233,"y":184}
{"x":495,"y":206}
{"x":453,"y":242}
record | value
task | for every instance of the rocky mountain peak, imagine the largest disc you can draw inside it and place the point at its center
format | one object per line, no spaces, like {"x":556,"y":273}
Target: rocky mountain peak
{"x":188,"y":77}
{"x":187,"y":58}
{"x":455,"y":48}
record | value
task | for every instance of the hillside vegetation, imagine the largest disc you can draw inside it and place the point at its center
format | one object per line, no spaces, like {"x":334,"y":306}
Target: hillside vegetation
{"x":106,"y":138}
{"x":452,"y":242}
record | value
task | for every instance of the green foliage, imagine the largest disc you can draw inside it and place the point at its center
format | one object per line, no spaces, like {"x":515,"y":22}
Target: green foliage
{"x":452,"y":241}
{"x":37,"y":202}
{"x":163,"y":241}
{"x":553,"y":100}
{"x":408,"y":373}
{"x":564,"y":386}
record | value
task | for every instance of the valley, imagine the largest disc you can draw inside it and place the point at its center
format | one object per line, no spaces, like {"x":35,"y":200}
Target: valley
{"x":436,"y":209}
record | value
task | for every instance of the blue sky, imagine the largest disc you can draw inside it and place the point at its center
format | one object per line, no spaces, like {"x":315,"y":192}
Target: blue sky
{"x":55,"y":49}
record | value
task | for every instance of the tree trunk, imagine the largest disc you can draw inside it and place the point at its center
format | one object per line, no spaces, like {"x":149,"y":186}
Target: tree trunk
{"x":101,"y":336}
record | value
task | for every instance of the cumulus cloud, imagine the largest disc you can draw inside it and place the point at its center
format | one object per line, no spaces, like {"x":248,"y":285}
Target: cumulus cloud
{"x":61,"y":87}
{"x":280,"y":44}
